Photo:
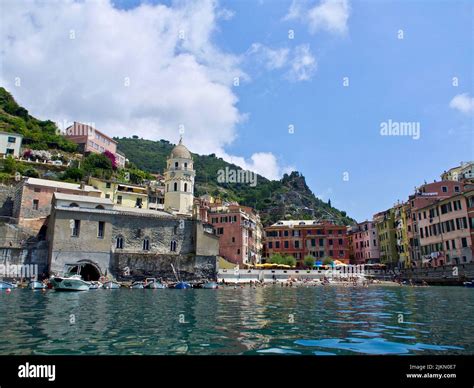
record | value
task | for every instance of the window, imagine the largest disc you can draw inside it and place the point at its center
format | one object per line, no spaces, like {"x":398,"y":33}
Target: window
{"x":297,"y":244}
{"x":139,"y":203}
{"x":176,"y":164}
{"x":186,"y":187}
{"x":220,"y":231}
{"x":100,"y":229}
{"x":238,"y":251}
{"x":185,"y":165}
{"x":107,"y":185}
{"x":146,"y":244}
{"x":464,"y":242}
{"x":270,"y":245}
{"x":119,"y":200}
{"x":107,"y":195}
{"x":119,"y":242}
{"x":37,"y":190}
{"x":456,"y":189}
{"x":35,"y":204}
{"x":175,"y":185}
{"x":173,"y":246}
{"x":76,"y":226}
{"x":11,"y":139}
{"x":277,"y":244}
{"x":287,"y":245}
{"x":444,"y":189}
{"x":233,"y":240}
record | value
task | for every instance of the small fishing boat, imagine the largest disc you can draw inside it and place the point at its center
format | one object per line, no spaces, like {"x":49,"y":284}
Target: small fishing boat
{"x":95,"y":285}
{"x":111,"y":285}
{"x":469,"y":284}
{"x":182,"y":285}
{"x":152,"y":283}
{"x":137,"y":285}
{"x":70,"y":283}
{"x":36,"y":285}
{"x":5,"y":285}
{"x":209,"y":285}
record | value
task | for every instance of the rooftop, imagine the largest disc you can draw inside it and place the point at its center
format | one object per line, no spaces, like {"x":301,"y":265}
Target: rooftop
{"x":60,"y":185}
{"x":83,"y":198}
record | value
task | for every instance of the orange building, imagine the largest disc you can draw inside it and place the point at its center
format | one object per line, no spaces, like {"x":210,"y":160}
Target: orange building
{"x":302,"y":238}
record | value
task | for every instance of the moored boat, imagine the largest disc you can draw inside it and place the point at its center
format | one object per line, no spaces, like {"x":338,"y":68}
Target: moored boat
{"x":36,"y":285}
{"x":152,"y":283}
{"x":111,"y":285}
{"x":71,"y":283}
{"x":209,"y":285}
{"x":469,"y":284}
{"x":6,"y":285}
{"x":182,"y":285}
{"x":95,"y":285}
{"x":137,"y":285}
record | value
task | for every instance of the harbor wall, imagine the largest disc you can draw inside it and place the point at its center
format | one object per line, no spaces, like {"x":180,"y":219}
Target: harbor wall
{"x":442,"y":275}
{"x":36,"y":254}
{"x":190,"y":267}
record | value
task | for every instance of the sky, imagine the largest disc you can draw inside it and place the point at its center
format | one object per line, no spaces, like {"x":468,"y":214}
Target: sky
{"x":272,"y":86}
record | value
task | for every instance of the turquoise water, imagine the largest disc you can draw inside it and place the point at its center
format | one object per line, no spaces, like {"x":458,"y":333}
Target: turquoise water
{"x":271,"y":320}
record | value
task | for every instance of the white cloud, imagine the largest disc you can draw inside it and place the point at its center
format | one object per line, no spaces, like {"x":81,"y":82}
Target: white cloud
{"x":264,"y":163}
{"x":172,"y":81}
{"x":463,"y":103}
{"x":270,"y":58}
{"x":303,"y":65}
{"x":328,"y":15}
{"x":299,"y":63}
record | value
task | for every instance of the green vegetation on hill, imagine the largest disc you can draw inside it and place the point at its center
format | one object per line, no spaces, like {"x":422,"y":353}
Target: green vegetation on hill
{"x":288,"y":198}
{"x":37,"y":134}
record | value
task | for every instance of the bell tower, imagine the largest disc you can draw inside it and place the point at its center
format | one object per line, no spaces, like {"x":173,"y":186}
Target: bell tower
{"x":179,"y":181}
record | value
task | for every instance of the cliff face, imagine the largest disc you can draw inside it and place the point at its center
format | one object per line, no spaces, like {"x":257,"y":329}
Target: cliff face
{"x":288,"y":198}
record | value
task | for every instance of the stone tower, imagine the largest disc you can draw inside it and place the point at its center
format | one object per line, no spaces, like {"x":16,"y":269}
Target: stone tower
{"x":179,"y":181}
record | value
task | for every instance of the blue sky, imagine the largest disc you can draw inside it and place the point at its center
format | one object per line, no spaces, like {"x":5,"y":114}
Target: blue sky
{"x":337,"y":128}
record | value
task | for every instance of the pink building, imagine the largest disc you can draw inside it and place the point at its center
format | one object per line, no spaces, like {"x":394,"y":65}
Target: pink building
{"x":444,"y":231}
{"x":239,"y":231}
{"x":90,"y":139}
{"x":426,"y":195}
{"x":364,"y":240}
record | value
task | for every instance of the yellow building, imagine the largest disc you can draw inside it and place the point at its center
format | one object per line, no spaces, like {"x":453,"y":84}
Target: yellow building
{"x":122,"y":194}
{"x":401,"y":234}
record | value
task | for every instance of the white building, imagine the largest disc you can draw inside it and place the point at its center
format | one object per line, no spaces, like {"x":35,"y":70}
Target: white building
{"x":10,"y":143}
{"x":179,"y":181}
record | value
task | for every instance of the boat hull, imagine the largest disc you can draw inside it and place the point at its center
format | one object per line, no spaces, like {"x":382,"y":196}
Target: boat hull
{"x":182,"y":286}
{"x":155,"y":286}
{"x":36,"y":285}
{"x":110,"y":285}
{"x":209,"y":286}
{"x":6,"y":285}
{"x":138,"y":286}
{"x":69,"y":284}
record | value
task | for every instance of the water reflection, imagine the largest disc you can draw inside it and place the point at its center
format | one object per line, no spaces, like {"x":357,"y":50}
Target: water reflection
{"x":274,"y":320}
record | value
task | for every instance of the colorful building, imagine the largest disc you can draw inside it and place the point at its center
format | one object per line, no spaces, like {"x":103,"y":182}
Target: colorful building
{"x":363,"y":243}
{"x":126,"y":195}
{"x":401,"y":235}
{"x":465,"y":170}
{"x":445,"y":234}
{"x":385,"y":224}
{"x":239,"y":229}
{"x":302,"y":238}
{"x":90,"y":140}
{"x":33,"y":196}
{"x":425,"y":195}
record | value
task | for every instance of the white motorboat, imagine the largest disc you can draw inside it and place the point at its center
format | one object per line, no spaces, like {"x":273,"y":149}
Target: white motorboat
{"x":69,"y":283}
{"x":36,"y":285}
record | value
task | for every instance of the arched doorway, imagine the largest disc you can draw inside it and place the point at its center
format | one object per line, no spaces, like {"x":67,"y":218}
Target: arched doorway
{"x":88,"y":271}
